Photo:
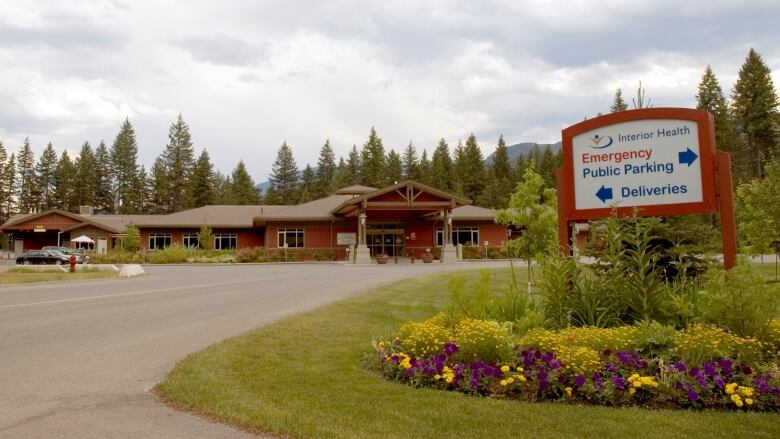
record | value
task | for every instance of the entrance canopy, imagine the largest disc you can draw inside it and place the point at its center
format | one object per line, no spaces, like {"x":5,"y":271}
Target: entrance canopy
{"x":409,"y":196}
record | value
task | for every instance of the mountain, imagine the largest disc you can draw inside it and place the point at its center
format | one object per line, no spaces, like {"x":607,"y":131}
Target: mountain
{"x":517,"y":149}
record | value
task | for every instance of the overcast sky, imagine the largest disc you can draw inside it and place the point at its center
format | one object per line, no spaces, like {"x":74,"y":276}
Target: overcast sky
{"x":248,"y":75}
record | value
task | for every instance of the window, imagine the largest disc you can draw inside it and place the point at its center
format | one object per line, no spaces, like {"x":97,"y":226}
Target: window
{"x":460,"y":235}
{"x":159,"y":240}
{"x":292,"y":237}
{"x":225,"y":241}
{"x":190,"y":240}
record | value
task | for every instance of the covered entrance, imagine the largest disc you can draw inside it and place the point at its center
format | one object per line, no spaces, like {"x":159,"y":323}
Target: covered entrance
{"x":385,"y":239}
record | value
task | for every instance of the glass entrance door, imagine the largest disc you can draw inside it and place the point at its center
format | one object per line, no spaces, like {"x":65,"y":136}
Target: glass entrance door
{"x":385,"y":241}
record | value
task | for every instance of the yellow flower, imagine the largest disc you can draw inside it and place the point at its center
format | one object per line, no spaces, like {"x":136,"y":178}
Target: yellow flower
{"x":437,"y":377}
{"x":637,"y":384}
{"x":631,"y":391}
{"x":745,"y":391}
{"x":521,"y":378}
{"x":730,"y":388}
{"x":505,"y":369}
{"x":449,"y":379}
{"x":736,"y":399}
{"x":510,"y":380}
{"x":503,"y":382}
{"x":568,"y":391}
{"x":519,"y":369}
{"x":748,"y":401}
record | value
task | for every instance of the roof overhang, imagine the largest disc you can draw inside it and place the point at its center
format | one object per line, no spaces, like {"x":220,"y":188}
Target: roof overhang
{"x":408,"y":193}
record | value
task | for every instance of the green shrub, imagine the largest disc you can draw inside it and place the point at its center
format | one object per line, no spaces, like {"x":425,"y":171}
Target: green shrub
{"x":740,"y":300}
{"x":483,"y":340}
{"x":478,"y":252}
{"x":132,"y":240}
{"x":173,"y":254}
{"x":118,"y":256}
{"x":254,"y":254}
{"x":699,"y":343}
{"x":423,"y":339}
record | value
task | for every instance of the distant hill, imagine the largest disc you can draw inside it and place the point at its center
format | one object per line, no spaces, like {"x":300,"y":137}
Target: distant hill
{"x":517,"y":149}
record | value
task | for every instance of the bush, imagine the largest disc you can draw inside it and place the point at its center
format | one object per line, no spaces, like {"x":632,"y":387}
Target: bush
{"x":700,"y":343}
{"x":173,"y":254}
{"x":482,"y":340}
{"x":254,"y":254}
{"x":423,"y":339}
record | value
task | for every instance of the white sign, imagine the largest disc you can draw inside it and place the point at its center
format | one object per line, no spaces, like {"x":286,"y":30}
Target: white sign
{"x":346,"y":238}
{"x":638,"y":163}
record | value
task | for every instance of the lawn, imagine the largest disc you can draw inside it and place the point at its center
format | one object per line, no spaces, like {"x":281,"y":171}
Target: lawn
{"x":15,"y":276}
{"x":304,"y":377}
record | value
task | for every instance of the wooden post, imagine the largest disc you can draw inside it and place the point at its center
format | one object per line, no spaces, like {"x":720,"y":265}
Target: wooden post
{"x":725,"y":200}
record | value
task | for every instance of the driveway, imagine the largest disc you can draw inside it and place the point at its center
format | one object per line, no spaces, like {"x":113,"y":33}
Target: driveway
{"x":78,"y":360}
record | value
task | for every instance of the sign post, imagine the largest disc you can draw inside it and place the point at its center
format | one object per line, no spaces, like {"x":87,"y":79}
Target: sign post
{"x":660,"y":161}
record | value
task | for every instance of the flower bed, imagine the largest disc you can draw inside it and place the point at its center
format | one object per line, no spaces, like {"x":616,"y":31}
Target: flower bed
{"x":702,"y":367}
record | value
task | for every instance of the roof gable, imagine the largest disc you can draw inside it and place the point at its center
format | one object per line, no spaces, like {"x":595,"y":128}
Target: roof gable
{"x":408,"y":194}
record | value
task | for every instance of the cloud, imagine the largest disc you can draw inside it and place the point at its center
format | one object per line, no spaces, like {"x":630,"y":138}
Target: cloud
{"x":224,"y":50}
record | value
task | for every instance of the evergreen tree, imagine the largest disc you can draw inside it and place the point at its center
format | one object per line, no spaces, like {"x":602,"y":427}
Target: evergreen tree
{"x":372,"y":161}
{"x":6,"y":185}
{"x":65,"y":184}
{"x":755,"y":108}
{"x":143,"y":187}
{"x":441,"y":167}
{"x":222,"y":186}
{"x":27,"y":186}
{"x":501,"y":172}
{"x":424,"y":170}
{"x":410,"y":164}
{"x":353,"y":167}
{"x":284,"y":176}
{"x":178,"y":161}
{"x":159,"y":184}
{"x":758,"y":210}
{"x":640,"y":101}
{"x":326,"y":172}
{"x":44,"y":173}
{"x":459,"y":169}
{"x":710,"y":98}
{"x":201,"y":190}
{"x":342,"y":177}
{"x":470,"y":169}
{"x":9,"y":183}
{"x":521,"y":163}
{"x":124,"y":163}
{"x":104,"y":180}
{"x":618,"y":104}
{"x":547,"y":166}
{"x":394,"y":171}
{"x":86,"y":176}
{"x":242,"y":187}
{"x":308,"y":185}
{"x":490,"y":195}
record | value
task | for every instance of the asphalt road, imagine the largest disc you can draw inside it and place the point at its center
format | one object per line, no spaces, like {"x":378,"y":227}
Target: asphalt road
{"x":77,"y":360}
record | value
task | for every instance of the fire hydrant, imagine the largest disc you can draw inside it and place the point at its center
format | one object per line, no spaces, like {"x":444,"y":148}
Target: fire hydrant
{"x":72,"y":262}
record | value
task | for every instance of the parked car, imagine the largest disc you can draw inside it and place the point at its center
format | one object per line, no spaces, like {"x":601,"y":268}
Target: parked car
{"x":81,"y":258}
{"x":42,"y":257}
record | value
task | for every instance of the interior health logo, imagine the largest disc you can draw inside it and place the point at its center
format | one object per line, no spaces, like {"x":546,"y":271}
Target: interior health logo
{"x":597,"y":140}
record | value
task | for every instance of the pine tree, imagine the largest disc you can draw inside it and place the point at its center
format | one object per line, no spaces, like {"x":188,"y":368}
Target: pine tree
{"x":27,"y":188}
{"x":755,"y":109}
{"x":710,"y":98}
{"x":640,"y":102}
{"x":441,"y":167}
{"x":394,"y":171}
{"x":308,"y":185}
{"x":353,"y":167}
{"x":178,"y":161}
{"x":501,"y":172}
{"x":242,"y":187}
{"x":284,"y":176}
{"x":44,"y":174}
{"x":547,"y":166}
{"x":201,"y":191}
{"x":143,"y":187}
{"x":459,"y":169}
{"x":372,"y":161}
{"x":6,"y":189}
{"x":470,"y":169}
{"x":342,"y":177}
{"x":9,"y":180}
{"x":104,"y":180}
{"x":326,"y":171}
{"x":424,"y":170}
{"x":618,"y":104}
{"x":65,"y":184}
{"x":159,"y":184}
{"x":86,"y":176}
{"x":222,"y":187}
{"x":410,"y":164}
{"x":124,"y":163}
{"x":521,"y":164}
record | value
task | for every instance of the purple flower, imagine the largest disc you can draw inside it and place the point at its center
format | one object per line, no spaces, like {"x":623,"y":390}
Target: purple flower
{"x":679,"y":366}
{"x":561,"y":379}
{"x":719,"y":383}
{"x":692,"y":395}
{"x":547,"y":357}
{"x":618,"y":381}
{"x":744,"y":368}
{"x":709,"y":370}
{"x":450,"y":348}
{"x":611,"y":367}
{"x":542,"y":375}
{"x":725,"y":367}
{"x":555,"y":364}
{"x":624,"y":358}
{"x":579,"y":381}
{"x":678,"y":385}
{"x":606,"y":353}
{"x":597,"y":380}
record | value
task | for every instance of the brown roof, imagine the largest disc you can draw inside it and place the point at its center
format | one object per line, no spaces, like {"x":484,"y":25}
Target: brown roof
{"x":473,"y":213}
{"x":214,"y":216}
{"x":313,"y":210}
{"x":357,"y":189}
{"x":456,"y":199}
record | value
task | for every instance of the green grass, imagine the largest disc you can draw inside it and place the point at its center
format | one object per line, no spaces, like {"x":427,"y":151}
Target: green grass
{"x":303,"y":377}
{"x":15,"y":276}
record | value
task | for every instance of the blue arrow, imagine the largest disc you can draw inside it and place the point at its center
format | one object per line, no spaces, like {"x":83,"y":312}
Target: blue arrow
{"x":687,"y":156}
{"x":604,"y":194}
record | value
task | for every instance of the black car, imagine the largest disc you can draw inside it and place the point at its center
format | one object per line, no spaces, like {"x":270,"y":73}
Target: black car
{"x":81,"y":258}
{"x":42,"y":257}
